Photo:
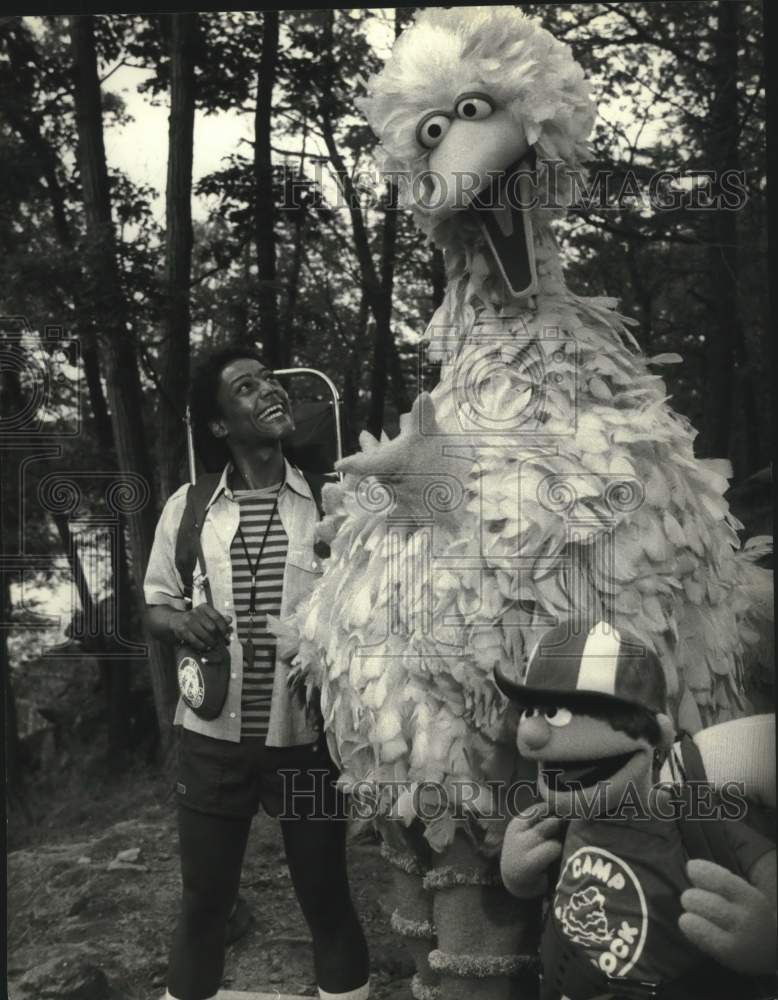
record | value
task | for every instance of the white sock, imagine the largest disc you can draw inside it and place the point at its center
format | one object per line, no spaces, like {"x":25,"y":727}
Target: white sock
{"x":360,"y":993}
{"x":169,"y":996}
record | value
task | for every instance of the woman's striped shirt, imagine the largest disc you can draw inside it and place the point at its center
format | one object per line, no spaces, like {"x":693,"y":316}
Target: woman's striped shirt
{"x":256,"y":507}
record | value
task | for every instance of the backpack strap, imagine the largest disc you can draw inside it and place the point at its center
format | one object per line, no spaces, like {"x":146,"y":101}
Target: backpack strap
{"x":188,"y":539}
{"x":702,"y":838}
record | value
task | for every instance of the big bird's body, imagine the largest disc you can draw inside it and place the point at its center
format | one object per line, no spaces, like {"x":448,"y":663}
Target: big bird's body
{"x":545,"y":475}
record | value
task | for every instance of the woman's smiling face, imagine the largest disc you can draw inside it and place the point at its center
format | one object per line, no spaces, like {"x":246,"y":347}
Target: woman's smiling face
{"x":253,"y":405}
{"x":582,"y":759}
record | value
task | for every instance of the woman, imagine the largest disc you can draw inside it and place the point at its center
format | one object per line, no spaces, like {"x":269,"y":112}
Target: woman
{"x":257,"y":541}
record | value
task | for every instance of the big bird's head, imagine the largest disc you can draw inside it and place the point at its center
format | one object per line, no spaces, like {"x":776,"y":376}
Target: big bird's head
{"x":482,"y":117}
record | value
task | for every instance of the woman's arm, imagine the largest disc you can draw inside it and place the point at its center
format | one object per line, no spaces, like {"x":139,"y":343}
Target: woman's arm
{"x":201,"y":627}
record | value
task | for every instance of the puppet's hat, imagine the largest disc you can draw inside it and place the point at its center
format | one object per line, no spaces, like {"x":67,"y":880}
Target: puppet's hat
{"x":601,"y":664}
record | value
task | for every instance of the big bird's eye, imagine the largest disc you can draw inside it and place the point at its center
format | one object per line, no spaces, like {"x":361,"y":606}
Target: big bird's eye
{"x":529,"y":713}
{"x":474,"y":107}
{"x":432,"y":128}
{"x":557,"y":716}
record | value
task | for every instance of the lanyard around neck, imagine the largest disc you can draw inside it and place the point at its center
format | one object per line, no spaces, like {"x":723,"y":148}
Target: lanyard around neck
{"x":254,"y":570}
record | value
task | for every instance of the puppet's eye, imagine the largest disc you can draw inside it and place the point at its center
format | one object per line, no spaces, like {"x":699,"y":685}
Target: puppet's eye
{"x":558,"y":716}
{"x":529,"y":713}
{"x":432,"y":128}
{"x":474,"y":107}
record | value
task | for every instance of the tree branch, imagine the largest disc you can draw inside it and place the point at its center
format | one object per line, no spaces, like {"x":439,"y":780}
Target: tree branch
{"x":636,"y":234}
{"x":111,"y":72}
{"x":643,"y":35}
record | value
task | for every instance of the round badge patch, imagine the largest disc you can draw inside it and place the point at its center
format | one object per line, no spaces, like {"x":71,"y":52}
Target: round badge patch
{"x":600,"y":905}
{"x":190,"y":682}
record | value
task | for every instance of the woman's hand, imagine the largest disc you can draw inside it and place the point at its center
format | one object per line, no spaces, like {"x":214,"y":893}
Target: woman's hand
{"x":201,"y":628}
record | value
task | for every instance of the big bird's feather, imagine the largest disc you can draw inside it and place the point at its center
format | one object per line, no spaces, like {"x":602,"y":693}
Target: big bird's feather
{"x":544,"y":476}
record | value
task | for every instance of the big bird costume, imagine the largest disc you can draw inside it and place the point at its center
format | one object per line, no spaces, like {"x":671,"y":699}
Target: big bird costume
{"x":545,"y":475}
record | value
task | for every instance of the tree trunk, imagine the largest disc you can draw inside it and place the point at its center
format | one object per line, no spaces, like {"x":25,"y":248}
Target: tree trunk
{"x":298,"y":254}
{"x":399,"y":393}
{"x":114,"y":672}
{"x":274,"y":351}
{"x":642,"y":296}
{"x":396,"y":375}
{"x":10,"y":403}
{"x":722,"y":251}
{"x":379,"y":369}
{"x":76,"y":567}
{"x":379,"y":298}
{"x":117,"y":340}
{"x":292,"y":289}
{"x":13,"y":768}
{"x":117,"y":670}
{"x":351,"y":381}
{"x":25,"y":123}
{"x":174,"y":351}
{"x":438,"y":277}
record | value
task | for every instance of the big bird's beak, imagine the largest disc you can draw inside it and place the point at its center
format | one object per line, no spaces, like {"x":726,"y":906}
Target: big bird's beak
{"x":480,"y":167}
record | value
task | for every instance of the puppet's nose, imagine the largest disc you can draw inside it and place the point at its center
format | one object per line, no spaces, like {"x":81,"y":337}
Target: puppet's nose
{"x":534,"y":733}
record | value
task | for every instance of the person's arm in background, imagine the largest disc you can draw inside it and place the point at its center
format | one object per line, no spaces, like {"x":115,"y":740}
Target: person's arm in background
{"x":739,"y":751}
{"x":732,"y":918}
{"x":167,"y":616}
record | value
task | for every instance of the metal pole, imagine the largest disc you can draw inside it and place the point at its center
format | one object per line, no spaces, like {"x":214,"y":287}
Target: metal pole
{"x":335,"y":400}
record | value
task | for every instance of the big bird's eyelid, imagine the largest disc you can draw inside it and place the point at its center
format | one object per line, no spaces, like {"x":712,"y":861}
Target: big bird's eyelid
{"x":427,"y":117}
{"x":474,"y":95}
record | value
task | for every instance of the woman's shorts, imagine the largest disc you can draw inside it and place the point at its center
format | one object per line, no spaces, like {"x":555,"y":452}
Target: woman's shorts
{"x":233,"y":779}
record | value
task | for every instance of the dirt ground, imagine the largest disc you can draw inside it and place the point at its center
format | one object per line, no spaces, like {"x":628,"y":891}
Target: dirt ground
{"x":67,"y":904}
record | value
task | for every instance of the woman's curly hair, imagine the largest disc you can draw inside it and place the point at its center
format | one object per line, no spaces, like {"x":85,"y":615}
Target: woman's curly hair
{"x":212,"y":452}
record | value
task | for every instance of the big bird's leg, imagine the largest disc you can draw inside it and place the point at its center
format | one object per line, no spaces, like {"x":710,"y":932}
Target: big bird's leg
{"x":487,"y":940}
{"x":410,"y":856}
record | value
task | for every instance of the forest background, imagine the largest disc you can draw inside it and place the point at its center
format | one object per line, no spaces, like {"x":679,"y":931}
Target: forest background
{"x":171,"y":182}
